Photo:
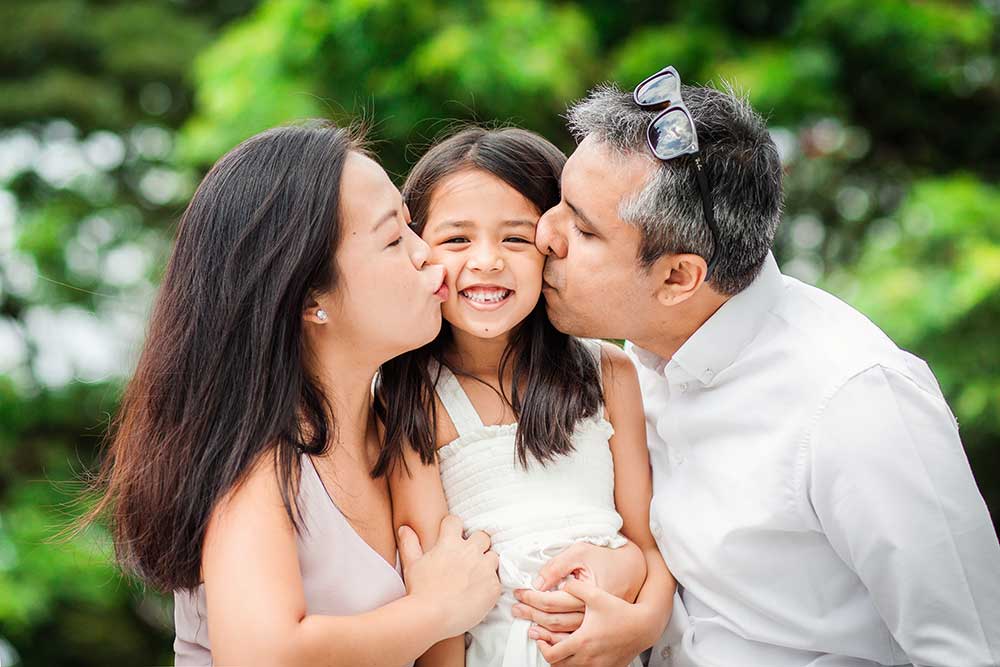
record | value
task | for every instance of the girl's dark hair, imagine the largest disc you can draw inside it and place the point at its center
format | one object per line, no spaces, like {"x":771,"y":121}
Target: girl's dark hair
{"x":556,"y":380}
{"x":221,"y":381}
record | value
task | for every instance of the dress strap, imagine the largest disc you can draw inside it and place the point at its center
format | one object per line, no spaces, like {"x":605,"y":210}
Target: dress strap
{"x":594,"y":346}
{"x":463,"y":414}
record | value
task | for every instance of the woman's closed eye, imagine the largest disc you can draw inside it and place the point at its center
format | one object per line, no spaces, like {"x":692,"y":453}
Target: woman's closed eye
{"x":393,"y":244}
{"x":518,"y":239}
{"x":456,"y":239}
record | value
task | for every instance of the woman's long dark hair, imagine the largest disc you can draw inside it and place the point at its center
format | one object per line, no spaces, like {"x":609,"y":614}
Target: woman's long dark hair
{"x":555,"y":378}
{"x":222,"y":379}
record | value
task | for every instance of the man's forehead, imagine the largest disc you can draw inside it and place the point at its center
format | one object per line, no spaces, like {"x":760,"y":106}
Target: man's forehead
{"x":597,"y":170}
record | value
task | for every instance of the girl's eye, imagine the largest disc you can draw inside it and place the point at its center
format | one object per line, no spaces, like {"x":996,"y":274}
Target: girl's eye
{"x":395,"y":243}
{"x":518,"y":239}
{"x":456,"y":239}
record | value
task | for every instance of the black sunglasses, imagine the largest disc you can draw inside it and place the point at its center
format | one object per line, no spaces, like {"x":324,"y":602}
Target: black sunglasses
{"x":671,"y":134}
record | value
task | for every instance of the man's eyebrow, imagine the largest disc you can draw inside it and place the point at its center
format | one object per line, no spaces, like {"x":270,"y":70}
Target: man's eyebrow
{"x":581,"y":216}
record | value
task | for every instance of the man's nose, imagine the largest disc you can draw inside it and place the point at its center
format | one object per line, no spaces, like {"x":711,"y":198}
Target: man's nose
{"x":549,"y":238}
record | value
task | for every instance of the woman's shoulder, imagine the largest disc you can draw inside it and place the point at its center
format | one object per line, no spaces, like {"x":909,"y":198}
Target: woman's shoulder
{"x":259,"y":491}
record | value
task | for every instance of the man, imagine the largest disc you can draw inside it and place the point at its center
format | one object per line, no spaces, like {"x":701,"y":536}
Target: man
{"x":811,"y":493}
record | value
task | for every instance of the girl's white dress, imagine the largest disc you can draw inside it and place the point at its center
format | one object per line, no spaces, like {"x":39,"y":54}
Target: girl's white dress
{"x":531,"y":514}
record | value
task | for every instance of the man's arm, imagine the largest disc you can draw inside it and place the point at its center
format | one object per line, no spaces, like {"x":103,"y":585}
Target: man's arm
{"x":889,"y":484}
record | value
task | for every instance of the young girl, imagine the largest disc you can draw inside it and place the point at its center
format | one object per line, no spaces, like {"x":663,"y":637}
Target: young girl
{"x":239,"y":474}
{"x":532,"y":436}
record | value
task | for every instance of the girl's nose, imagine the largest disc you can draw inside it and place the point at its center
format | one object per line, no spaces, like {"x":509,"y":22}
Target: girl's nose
{"x":486,"y":258}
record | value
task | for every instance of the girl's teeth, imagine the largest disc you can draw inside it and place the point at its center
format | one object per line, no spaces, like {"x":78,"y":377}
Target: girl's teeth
{"x":486,"y":296}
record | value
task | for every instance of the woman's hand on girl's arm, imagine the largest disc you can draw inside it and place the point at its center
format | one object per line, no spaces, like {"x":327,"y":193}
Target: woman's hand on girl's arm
{"x":256,"y":604}
{"x":419,"y":506}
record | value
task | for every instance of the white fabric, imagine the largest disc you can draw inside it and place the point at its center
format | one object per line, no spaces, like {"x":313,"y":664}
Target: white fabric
{"x":531,"y":514}
{"x":811,"y":494}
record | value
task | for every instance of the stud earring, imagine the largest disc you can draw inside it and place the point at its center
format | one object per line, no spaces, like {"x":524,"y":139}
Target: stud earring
{"x":321,"y":314}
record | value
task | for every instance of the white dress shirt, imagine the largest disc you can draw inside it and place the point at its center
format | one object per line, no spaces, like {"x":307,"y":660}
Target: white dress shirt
{"x":811,"y":494}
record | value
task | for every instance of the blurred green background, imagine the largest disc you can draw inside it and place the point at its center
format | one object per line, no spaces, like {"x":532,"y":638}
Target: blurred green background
{"x":885,"y":112}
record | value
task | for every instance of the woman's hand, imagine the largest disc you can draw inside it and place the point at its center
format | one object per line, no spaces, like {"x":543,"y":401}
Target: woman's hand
{"x":457,"y":577}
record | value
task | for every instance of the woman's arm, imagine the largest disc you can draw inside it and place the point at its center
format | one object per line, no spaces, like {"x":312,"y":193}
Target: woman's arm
{"x":256,"y":604}
{"x":418,"y":501}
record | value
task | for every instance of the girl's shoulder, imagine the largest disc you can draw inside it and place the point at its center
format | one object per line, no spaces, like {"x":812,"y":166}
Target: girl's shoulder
{"x":612,"y":358}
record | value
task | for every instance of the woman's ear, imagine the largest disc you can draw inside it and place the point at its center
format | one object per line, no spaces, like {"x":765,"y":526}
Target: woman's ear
{"x":679,"y":277}
{"x":314,"y":312}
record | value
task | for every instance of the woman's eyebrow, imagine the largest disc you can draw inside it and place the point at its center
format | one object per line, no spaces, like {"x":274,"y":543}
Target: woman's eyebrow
{"x":386,"y":217}
{"x":519,"y":223}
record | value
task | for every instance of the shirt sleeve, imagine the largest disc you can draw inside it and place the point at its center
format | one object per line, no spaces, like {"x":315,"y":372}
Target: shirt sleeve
{"x":891,"y":487}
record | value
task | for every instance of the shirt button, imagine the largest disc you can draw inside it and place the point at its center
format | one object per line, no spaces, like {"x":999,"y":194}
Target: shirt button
{"x":665,"y":652}
{"x":684,"y":387}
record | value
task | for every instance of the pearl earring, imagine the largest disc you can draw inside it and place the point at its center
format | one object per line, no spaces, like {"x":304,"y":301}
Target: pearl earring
{"x":321,"y":314}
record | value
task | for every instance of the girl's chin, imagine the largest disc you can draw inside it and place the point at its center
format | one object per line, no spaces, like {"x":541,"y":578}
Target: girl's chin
{"x":481,"y":329}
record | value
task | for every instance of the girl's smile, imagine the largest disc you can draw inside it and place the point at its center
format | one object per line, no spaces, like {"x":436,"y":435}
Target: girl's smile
{"x":486,"y":297}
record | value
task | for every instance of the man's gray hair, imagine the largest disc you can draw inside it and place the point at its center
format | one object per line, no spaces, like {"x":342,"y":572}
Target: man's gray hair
{"x":740,"y":161}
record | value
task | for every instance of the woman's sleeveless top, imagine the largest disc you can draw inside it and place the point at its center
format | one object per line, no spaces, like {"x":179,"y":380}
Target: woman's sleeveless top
{"x":341,"y":574}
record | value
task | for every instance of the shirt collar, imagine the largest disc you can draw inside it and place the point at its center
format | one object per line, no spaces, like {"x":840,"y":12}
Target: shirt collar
{"x":717,"y":342}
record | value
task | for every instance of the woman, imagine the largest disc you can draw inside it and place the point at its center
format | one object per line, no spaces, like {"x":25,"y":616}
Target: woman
{"x":239,"y":473}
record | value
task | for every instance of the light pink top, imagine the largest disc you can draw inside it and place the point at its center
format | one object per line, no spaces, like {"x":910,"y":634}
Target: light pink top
{"x":341,"y":574}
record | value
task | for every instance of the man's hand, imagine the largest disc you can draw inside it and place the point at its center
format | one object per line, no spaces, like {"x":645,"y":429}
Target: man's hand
{"x":612,"y":634}
{"x":621,"y":572}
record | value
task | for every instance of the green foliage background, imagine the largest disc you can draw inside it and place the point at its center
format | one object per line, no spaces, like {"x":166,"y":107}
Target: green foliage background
{"x":885,"y":113}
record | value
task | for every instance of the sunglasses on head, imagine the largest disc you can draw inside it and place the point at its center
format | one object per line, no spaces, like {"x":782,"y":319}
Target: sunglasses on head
{"x":671,"y":134}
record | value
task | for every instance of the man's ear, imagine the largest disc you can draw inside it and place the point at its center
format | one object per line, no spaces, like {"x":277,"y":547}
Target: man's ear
{"x":678,"y":277}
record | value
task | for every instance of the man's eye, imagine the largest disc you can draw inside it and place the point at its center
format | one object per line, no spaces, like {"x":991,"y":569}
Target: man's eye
{"x":580,"y":231}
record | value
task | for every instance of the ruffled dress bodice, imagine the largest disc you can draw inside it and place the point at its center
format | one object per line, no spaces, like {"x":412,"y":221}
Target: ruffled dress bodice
{"x":531,"y":513}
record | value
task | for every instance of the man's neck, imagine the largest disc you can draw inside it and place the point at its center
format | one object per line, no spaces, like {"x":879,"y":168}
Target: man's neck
{"x":674,"y":325}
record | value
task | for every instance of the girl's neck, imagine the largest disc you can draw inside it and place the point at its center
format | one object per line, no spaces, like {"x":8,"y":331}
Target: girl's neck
{"x":479,"y":357}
